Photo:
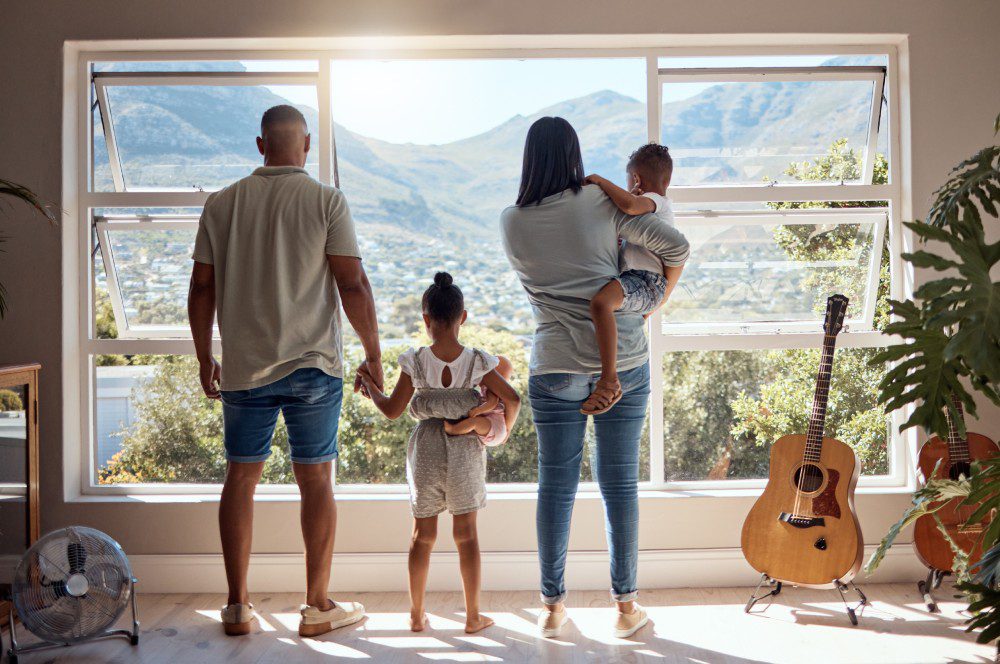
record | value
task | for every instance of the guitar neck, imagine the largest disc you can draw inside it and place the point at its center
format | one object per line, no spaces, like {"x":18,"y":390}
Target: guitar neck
{"x":958,"y":446}
{"x":817,"y":419}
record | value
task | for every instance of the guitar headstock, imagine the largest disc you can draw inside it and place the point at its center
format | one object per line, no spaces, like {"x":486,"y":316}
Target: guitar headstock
{"x":836,"y":309}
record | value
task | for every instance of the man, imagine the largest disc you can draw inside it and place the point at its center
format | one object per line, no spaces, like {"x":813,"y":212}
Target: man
{"x":273,"y":253}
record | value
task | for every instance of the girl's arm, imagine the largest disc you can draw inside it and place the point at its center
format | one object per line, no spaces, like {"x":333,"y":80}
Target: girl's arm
{"x":499,"y":386}
{"x":625,"y":201}
{"x":391,"y":406}
{"x":506,"y":370}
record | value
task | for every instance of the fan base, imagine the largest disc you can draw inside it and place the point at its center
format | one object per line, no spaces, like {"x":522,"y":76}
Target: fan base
{"x":132,"y":635}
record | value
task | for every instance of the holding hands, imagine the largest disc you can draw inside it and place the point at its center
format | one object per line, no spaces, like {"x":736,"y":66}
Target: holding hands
{"x":368,"y":376}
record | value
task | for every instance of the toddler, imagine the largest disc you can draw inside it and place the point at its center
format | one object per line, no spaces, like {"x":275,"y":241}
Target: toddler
{"x":644,"y":283}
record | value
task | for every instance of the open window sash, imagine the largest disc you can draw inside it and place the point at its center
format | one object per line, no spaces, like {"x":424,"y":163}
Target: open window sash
{"x":849,"y":106}
{"x":147,"y":264}
{"x":770,"y":272}
{"x":106,"y":82}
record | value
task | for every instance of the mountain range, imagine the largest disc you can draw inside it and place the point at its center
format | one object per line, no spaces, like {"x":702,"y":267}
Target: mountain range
{"x":202,"y":136}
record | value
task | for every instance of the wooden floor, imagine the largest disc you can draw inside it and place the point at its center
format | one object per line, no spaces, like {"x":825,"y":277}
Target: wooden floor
{"x":694,"y":625}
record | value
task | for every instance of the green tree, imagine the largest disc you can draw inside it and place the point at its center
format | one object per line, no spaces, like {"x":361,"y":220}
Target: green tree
{"x":723,"y":410}
{"x":783,"y":403}
{"x":177,"y":436}
{"x":10,"y":401}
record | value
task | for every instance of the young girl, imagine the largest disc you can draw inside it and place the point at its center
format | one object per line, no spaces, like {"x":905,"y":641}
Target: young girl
{"x":446,"y":456}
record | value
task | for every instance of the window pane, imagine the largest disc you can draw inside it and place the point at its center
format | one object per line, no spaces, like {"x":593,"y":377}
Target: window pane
{"x":429,"y":153}
{"x":723,"y":410}
{"x":154,"y":267}
{"x":749,"y":133}
{"x":190,"y":137}
{"x":154,"y":425}
{"x":13,"y":435}
{"x":763,"y":270}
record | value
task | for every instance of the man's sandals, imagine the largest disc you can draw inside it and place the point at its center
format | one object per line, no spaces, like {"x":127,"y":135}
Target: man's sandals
{"x":603,"y":398}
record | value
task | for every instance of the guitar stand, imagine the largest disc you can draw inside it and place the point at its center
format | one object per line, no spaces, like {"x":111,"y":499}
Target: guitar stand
{"x":852,"y":611}
{"x":928,"y":586}
{"x":754,"y":597}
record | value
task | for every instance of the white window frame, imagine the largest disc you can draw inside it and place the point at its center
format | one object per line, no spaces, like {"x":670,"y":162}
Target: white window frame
{"x":902,"y":446}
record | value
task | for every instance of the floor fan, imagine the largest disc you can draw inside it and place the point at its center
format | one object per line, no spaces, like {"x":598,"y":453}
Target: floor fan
{"x":72,"y":585}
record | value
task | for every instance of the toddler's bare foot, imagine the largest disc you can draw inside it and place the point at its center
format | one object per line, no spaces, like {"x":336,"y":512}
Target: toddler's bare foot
{"x":477,"y":623}
{"x":418,"y":622}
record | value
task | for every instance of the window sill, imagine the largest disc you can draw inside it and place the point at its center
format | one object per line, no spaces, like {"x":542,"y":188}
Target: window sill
{"x":645,"y":495}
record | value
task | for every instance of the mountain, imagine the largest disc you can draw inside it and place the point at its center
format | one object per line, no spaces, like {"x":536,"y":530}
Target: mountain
{"x":184,"y":136}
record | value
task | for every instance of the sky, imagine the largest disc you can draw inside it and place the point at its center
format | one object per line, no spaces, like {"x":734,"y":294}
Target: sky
{"x":440,"y":101}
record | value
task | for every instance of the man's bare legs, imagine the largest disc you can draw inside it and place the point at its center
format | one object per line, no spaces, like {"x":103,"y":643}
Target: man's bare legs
{"x":318,"y":517}
{"x":467,"y":543}
{"x":421,"y":544}
{"x":602,"y":311}
{"x":236,"y":525}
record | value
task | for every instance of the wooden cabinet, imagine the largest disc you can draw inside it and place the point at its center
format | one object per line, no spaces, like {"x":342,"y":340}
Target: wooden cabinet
{"x":19,"y":524}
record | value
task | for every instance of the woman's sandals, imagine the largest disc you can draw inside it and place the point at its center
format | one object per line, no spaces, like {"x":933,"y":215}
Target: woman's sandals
{"x":603,"y":398}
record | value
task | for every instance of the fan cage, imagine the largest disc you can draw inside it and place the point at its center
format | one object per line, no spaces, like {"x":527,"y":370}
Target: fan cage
{"x":72,"y":584}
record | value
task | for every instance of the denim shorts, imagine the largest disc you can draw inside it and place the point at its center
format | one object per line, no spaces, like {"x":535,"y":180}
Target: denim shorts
{"x":643,"y":290}
{"x":309,"y":400}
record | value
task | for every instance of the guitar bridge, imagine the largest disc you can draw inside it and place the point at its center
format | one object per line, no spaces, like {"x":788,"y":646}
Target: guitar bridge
{"x":801,"y":521}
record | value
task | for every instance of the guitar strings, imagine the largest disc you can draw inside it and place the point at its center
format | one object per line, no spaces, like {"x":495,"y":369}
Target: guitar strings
{"x":815,"y":419}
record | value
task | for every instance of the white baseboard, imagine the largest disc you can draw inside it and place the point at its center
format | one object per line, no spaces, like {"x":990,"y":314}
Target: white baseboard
{"x":371,"y":572}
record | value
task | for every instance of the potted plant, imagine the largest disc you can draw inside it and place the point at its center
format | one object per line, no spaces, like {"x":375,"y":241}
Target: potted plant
{"x":14,"y":190}
{"x":951,"y":333}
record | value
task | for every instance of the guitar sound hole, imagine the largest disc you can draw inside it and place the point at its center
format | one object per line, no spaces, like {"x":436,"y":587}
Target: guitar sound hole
{"x":808,"y":478}
{"x":959,"y":468}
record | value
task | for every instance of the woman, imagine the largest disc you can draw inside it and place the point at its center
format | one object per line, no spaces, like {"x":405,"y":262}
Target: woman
{"x":561,"y":238}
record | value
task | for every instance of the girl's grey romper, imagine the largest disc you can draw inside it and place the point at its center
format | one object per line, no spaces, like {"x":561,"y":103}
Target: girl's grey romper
{"x":445,"y":472}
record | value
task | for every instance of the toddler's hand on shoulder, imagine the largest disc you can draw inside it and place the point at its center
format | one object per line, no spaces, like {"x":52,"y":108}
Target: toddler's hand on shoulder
{"x":593,"y":178}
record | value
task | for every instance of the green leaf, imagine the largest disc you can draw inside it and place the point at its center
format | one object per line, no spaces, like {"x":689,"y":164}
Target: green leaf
{"x":925,"y":377}
{"x":967,"y":184}
{"x":927,"y":500}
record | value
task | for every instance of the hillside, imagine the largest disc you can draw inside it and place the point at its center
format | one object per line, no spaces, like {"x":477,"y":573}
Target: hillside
{"x":195,"y":136}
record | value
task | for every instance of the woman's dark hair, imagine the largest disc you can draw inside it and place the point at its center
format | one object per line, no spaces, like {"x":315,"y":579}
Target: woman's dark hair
{"x":443,"y":301}
{"x":552,"y":161}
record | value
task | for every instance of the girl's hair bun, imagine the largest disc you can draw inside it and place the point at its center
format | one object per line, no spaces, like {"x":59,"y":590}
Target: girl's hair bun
{"x":443,"y":301}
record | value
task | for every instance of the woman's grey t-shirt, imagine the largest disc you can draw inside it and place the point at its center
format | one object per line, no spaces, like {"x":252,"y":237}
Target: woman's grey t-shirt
{"x":564,"y":250}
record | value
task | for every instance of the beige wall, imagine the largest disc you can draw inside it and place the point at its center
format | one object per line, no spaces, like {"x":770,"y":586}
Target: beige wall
{"x":954,"y":96}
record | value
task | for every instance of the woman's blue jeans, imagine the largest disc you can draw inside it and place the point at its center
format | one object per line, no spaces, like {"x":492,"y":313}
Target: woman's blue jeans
{"x":555,"y":403}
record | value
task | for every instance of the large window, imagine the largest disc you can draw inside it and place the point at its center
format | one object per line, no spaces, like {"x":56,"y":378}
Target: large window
{"x":782,"y":184}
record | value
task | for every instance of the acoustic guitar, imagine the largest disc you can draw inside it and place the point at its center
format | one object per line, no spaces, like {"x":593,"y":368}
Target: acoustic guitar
{"x":803,"y":529}
{"x":955,"y":457}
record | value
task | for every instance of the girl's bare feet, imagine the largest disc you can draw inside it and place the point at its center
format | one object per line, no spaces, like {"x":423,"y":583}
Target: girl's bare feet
{"x":418,"y":622}
{"x":476,"y":623}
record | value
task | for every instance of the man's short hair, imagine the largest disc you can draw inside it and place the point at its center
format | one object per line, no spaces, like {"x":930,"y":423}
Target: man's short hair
{"x":653,"y":161}
{"x":281,"y":114}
